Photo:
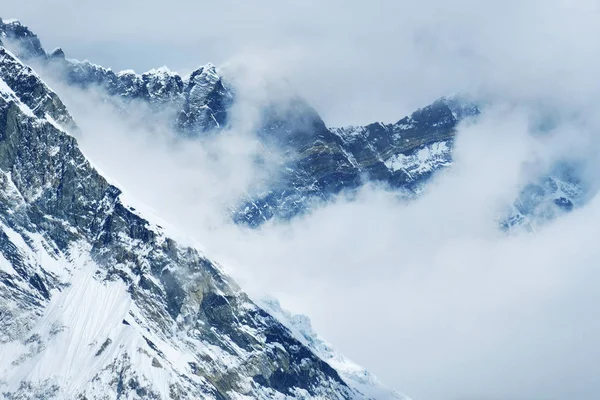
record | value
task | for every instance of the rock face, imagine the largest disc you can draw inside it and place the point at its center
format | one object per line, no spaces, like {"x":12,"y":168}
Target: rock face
{"x":197,"y":104}
{"x":28,"y":44}
{"x":97,"y":302}
{"x":322,"y":163}
{"x":326,"y":162}
{"x":318,"y":163}
{"x":206,"y":102}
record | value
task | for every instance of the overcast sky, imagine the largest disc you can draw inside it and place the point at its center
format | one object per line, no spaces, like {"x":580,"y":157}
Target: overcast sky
{"x":429,"y":295}
{"x":357,"y":62}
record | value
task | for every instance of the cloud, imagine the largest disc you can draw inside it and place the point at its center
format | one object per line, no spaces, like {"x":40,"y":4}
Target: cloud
{"x":356,"y":62}
{"x":428,"y":295}
{"x":138,"y":150}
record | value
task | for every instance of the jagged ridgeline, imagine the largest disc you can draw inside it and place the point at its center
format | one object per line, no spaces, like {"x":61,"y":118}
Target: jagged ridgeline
{"x":318,"y":162}
{"x":97,"y":302}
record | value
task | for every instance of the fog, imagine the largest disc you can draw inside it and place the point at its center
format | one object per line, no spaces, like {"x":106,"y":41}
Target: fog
{"x":428,"y":295}
{"x":357,"y":62}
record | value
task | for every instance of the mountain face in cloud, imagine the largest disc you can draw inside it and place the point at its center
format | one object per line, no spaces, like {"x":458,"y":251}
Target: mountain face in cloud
{"x":427,"y":293}
{"x":98,"y":301}
{"x":317,"y":163}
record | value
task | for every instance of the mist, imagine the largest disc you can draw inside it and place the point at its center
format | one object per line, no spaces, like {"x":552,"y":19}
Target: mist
{"x":429,"y":295}
{"x":355,"y":62}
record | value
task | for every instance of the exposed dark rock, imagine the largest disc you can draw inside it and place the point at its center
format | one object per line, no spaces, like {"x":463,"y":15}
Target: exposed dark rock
{"x":105,"y":344}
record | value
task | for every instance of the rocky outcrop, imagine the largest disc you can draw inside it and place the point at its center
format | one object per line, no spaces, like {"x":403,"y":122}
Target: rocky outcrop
{"x":326,"y":162}
{"x":206,"y":102}
{"x":197,"y":104}
{"x":27,"y":43}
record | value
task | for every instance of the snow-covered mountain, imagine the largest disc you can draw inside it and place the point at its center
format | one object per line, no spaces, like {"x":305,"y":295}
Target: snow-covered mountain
{"x":318,"y":163}
{"x":197,"y":103}
{"x":99,"y":302}
{"x":402,"y":155}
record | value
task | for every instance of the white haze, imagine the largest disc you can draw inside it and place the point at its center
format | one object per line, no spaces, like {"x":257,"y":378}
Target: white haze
{"x":429,"y":296}
{"x":357,"y":62}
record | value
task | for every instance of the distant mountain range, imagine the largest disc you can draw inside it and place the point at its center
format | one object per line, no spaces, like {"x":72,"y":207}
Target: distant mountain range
{"x":318,"y":162}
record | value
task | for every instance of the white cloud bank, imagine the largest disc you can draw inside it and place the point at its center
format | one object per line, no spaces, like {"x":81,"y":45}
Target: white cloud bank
{"x":429,"y":295}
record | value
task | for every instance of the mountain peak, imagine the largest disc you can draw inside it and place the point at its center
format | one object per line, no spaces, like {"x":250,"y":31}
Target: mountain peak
{"x":23,"y":41}
{"x":164,"y":70}
{"x":205,"y":72}
{"x":127,"y":72}
{"x":57,"y":54}
{"x":10,"y":21}
{"x":461,"y":105}
{"x":207,"y":102}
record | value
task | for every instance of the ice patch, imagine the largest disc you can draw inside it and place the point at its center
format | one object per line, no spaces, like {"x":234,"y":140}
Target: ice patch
{"x":424,"y":160}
